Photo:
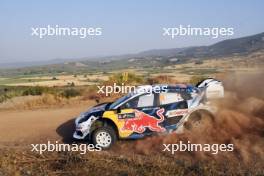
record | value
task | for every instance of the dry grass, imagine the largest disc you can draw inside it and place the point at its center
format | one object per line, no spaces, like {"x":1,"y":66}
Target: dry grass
{"x":37,"y":102}
{"x":18,"y":162}
{"x":61,"y":80}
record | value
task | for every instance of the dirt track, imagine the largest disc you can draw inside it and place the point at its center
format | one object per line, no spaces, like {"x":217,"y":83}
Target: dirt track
{"x":37,"y":125}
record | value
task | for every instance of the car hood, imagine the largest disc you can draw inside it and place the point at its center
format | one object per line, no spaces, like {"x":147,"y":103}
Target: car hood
{"x":96,"y":111}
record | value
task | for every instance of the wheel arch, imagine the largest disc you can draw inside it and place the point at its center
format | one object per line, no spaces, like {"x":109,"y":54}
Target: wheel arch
{"x":104,"y":122}
{"x":207,"y":111}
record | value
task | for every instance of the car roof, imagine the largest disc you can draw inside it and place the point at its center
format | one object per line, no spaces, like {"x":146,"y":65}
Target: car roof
{"x":169,"y":87}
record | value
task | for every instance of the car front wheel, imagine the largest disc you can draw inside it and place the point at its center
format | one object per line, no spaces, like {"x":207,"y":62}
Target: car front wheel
{"x":104,"y":136}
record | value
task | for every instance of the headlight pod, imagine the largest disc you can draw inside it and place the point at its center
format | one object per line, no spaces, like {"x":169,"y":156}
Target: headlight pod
{"x":77,"y":120}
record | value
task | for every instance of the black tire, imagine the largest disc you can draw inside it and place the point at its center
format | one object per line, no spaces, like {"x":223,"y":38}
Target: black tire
{"x":108,"y":137}
{"x":199,"y":121}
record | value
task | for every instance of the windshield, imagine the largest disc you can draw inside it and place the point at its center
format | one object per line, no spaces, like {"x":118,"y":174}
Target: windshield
{"x":120,"y":100}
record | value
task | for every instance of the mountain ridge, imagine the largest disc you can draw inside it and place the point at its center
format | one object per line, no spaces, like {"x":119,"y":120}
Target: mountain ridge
{"x":229,"y":47}
{"x":242,"y":45}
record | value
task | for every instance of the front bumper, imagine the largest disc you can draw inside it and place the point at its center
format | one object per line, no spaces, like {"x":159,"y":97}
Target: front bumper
{"x":79,"y":135}
{"x":83,"y":129}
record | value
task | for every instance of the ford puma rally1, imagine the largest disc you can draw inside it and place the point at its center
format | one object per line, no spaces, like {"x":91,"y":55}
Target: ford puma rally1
{"x":145,"y":112}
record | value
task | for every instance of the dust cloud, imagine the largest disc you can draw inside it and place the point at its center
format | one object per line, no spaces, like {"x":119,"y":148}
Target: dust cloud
{"x":238,"y":121}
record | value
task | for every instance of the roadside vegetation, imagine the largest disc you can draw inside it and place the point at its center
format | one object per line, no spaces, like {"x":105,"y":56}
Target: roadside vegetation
{"x":41,"y":96}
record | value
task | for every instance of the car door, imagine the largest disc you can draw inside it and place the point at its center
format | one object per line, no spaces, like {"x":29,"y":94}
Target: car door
{"x":142,"y":115}
{"x":175,"y":106}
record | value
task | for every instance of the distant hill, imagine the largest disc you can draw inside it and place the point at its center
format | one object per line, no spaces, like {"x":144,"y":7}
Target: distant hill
{"x":239,"y":46}
{"x":161,"y":52}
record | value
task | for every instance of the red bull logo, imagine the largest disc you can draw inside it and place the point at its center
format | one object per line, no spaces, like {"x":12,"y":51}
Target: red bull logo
{"x":143,"y":121}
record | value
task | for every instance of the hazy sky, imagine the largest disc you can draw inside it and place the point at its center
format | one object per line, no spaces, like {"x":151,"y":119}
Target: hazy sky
{"x":128,"y":26}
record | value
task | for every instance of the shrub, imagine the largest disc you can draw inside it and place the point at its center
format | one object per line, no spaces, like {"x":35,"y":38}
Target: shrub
{"x":33,"y":91}
{"x":161,"y":79}
{"x":130,"y":78}
{"x":68,"y":93}
{"x":198,"y":62}
{"x":3,"y":98}
{"x":45,"y":100}
{"x":196,"y":79}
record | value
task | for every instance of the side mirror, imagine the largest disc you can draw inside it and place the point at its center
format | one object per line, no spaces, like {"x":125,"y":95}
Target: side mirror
{"x":118,"y":110}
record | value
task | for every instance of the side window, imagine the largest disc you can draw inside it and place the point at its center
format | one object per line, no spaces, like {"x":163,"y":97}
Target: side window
{"x":130,"y":104}
{"x":171,"y":97}
{"x":140,"y":102}
{"x":146,"y":101}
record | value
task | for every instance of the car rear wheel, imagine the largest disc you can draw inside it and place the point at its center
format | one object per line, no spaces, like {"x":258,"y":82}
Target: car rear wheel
{"x":199,"y":121}
{"x":104,"y":136}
